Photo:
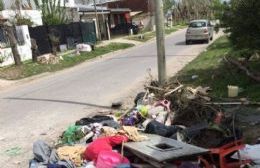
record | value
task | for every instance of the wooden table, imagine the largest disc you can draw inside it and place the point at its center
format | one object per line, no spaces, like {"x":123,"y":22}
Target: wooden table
{"x":159,"y":150}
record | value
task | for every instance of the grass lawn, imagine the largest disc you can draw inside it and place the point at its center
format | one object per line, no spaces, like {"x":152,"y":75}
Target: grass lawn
{"x":149,"y":35}
{"x":29,"y":68}
{"x":213,"y":71}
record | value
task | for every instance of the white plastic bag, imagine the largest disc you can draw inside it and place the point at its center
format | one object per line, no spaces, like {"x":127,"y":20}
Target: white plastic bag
{"x":250,"y":152}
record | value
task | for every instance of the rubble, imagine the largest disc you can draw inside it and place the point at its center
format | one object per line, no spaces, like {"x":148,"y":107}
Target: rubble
{"x":48,"y":59}
{"x":167,"y":123}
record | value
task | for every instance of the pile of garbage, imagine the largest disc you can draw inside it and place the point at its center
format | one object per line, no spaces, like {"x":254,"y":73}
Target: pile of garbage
{"x":173,"y":111}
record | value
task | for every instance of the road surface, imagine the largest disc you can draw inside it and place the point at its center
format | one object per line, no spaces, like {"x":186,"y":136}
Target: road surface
{"x":42,"y":108}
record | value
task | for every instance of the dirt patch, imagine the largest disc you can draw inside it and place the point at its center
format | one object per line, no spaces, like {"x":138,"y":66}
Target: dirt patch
{"x":12,"y":72}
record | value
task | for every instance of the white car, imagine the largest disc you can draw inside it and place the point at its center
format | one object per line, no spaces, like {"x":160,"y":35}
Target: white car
{"x":199,"y":30}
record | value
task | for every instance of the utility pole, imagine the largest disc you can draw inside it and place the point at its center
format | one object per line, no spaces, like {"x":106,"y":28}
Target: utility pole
{"x":160,"y":39}
{"x":98,"y":27}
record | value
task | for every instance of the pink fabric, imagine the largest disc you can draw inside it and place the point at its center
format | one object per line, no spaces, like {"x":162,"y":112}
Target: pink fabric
{"x":103,"y":144}
{"x":110,"y":159}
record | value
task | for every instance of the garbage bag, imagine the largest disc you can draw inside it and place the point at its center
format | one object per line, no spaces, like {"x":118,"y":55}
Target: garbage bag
{"x":251,"y":152}
{"x":43,"y":153}
{"x":95,"y":119}
{"x":45,"y":156}
{"x":102,"y":144}
{"x":155,"y":127}
{"x":110,"y":159}
{"x":72,"y":134}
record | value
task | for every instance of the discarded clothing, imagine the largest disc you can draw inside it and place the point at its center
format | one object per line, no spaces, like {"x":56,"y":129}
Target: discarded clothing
{"x":133,"y":134}
{"x":110,"y":123}
{"x":44,"y":156}
{"x":59,"y":164}
{"x":43,"y":153}
{"x":56,"y":166}
{"x":96,"y":129}
{"x":72,"y":153}
{"x":110,"y":159}
{"x":108,"y":131}
{"x":102,"y":144}
{"x":95,"y":119}
{"x":155,"y":127}
{"x":133,"y":118}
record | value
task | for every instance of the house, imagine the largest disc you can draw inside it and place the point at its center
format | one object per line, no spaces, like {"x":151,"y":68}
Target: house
{"x":25,"y":9}
{"x":141,"y":11}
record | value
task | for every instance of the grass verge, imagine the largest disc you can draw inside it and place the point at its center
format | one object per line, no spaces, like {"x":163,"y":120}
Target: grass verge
{"x":30,"y":68}
{"x":149,"y":35}
{"x":211,"y":70}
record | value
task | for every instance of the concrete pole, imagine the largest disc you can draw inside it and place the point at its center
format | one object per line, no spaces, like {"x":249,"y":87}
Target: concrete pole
{"x":97,"y":20}
{"x":160,"y":38}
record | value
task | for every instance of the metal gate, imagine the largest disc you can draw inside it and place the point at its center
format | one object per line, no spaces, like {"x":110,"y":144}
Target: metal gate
{"x":88,"y":32}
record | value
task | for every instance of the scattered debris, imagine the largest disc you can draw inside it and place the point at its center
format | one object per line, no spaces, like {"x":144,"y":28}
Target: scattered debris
{"x":48,"y":59}
{"x":171,"y":125}
{"x":83,"y":48}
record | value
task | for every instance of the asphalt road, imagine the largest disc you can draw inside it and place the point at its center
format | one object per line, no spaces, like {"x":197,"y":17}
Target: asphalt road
{"x":42,"y":108}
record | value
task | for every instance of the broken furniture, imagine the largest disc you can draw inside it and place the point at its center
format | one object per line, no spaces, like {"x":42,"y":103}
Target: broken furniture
{"x":220,"y":157}
{"x":158,"y":151}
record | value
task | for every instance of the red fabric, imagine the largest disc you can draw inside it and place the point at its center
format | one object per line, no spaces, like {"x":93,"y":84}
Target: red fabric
{"x":103,"y":144}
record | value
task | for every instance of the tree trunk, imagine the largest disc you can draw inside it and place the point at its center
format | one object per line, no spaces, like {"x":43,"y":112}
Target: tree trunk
{"x":13,"y":43}
{"x":35,"y":51}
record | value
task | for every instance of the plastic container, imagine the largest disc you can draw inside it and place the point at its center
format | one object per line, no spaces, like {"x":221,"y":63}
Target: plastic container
{"x":233,"y":91}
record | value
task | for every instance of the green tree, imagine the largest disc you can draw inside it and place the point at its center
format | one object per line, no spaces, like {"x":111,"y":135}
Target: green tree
{"x":1,"y":5}
{"x":167,"y":5}
{"x":53,"y":11}
{"x":217,"y":8}
{"x":241,"y":18}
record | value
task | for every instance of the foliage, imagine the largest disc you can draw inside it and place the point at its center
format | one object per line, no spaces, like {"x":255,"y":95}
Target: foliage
{"x":167,"y":5}
{"x":23,"y":21}
{"x":53,"y":11}
{"x":218,"y":8}
{"x":1,"y":59}
{"x":241,"y":18}
{"x":213,"y":71}
{"x":1,"y":5}
{"x":186,"y":10}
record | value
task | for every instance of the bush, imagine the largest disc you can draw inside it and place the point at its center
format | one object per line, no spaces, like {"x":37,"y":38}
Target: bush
{"x":241,"y":18}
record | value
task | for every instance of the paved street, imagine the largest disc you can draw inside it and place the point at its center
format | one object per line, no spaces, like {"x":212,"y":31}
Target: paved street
{"x":42,"y":108}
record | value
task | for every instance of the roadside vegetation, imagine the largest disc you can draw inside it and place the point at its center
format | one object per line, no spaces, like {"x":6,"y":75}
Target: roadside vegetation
{"x":211,"y":69}
{"x":30,"y":68}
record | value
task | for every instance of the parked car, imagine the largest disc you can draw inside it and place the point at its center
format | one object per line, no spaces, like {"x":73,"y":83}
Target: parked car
{"x":199,"y":30}
{"x":124,"y":28}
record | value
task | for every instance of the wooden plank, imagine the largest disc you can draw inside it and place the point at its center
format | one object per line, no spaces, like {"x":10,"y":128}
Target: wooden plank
{"x":174,"y":151}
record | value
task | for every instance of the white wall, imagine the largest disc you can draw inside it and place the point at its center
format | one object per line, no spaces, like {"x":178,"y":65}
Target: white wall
{"x":34,"y":15}
{"x":24,"y":50}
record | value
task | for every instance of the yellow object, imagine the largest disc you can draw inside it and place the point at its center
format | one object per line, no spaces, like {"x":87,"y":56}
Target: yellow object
{"x":72,"y":153}
{"x":133,"y":134}
{"x":232,"y":91}
{"x":143,"y":110}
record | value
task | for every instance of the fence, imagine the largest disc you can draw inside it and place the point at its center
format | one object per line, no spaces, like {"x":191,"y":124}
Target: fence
{"x":68,"y":34}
